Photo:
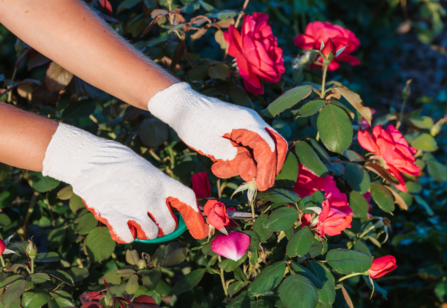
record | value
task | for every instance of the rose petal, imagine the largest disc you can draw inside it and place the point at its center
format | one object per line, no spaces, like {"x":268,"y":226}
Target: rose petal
{"x":232,"y":246}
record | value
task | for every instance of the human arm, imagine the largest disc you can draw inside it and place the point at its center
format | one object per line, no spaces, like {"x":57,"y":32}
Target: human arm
{"x":123,"y":190}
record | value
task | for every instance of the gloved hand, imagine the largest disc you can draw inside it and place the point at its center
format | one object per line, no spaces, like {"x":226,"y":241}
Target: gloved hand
{"x":122,"y":189}
{"x":237,"y":139}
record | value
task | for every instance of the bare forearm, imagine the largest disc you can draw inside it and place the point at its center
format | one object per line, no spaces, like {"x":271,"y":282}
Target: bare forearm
{"x":67,"y":32}
{"x":24,"y":138}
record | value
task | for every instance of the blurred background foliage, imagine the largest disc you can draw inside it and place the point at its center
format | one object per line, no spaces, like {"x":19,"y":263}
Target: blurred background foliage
{"x":400,"y":40}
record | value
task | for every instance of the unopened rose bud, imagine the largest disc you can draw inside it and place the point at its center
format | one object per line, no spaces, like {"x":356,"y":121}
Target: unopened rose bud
{"x":406,"y":91}
{"x":328,"y":50}
{"x":141,"y":264}
{"x":31,"y":250}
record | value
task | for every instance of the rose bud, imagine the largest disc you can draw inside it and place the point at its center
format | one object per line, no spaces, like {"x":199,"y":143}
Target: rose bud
{"x":382,"y":266}
{"x":216,"y":213}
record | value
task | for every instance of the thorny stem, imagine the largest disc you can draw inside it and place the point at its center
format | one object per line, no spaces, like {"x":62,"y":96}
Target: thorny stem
{"x":219,"y":190}
{"x":12,"y":80}
{"x":252,"y":209}
{"x":32,"y":265}
{"x":237,"y":23}
{"x":2,"y":260}
{"x":22,"y":231}
{"x":222,"y":278}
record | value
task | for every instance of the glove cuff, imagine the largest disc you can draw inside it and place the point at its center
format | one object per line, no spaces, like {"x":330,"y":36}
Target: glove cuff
{"x":68,"y":152}
{"x":168,"y":103}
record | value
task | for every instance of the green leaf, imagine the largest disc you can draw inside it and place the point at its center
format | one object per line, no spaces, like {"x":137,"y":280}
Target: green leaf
{"x":111,"y":278}
{"x":153,"y":132}
{"x":169,"y":254}
{"x":281,"y":219}
{"x":264,"y":234}
{"x":316,"y":248}
{"x":219,"y":71}
{"x":188,"y":282}
{"x":310,"y":108}
{"x":355,"y":100}
{"x":56,"y":237}
{"x":327,"y":291}
{"x":78,"y":274}
{"x":76,"y":203}
{"x":441,"y":291}
{"x":99,"y":244}
{"x":10,"y":280}
{"x":358,"y":204}
{"x":279,"y":195}
{"x":38,"y":278}
{"x":382,"y":197}
{"x":268,"y":279}
{"x":132,"y":284}
{"x":57,"y":78}
{"x":321,"y":152}
{"x":424,"y":204}
{"x":298,"y":291}
{"x":229,"y":265}
{"x":35,"y":298}
{"x":61,"y":275}
{"x":13,"y":293}
{"x":65,"y":193}
{"x":4,"y":220}
{"x":357,"y":177}
{"x":151,"y":280}
{"x":287,"y":100}
{"x":79,"y":109}
{"x":236,"y":286}
{"x":310,"y":159}
{"x":300,"y":243}
{"x":198,"y":73}
{"x":437,"y":171}
{"x":86,"y":224}
{"x":335,"y":128}
{"x":240,"y":97}
{"x":254,"y":240}
{"x":301,"y":270}
{"x":353,"y":156}
{"x":132,"y":257}
{"x":425,"y":142}
{"x":348,"y":261}
{"x":289,"y":173}
{"x":125,"y":272}
{"x":47,"y":257}
{"x":42,"y":183}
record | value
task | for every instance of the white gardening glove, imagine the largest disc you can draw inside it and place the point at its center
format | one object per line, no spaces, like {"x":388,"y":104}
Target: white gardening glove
{"x":237,"y":139}
{"x":122,"y":189}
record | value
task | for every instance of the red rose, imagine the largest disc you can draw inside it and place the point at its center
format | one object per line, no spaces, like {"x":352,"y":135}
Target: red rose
{"x":382,"y":266}
{"x":256,"y":51}
{"x":318,"y":32}
{"x":2,"y":247}
{"x":392,"y":151}
{"x":216,"y":213}
{"x":331,"y":221}
{"x":201,"y":185}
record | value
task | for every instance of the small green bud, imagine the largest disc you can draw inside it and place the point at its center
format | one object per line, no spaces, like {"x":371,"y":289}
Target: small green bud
{"x":31,"y":250}
{"x":141,"y":264}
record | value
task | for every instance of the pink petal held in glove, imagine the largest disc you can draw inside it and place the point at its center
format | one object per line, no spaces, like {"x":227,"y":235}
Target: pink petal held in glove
{"x":232,"y":246}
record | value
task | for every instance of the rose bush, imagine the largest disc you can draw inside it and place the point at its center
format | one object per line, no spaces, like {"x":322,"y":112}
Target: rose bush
{"x":337,"y":220}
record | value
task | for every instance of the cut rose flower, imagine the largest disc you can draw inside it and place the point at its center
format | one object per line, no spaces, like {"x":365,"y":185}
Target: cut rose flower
{"x":381,"y":266}
{"x":216,"y":213}
{"x":256,"y":51}
{"x":319,"y":32}
{"x":232,"y":246}
{"x":392,"y":151}
{"x":201,"y":185}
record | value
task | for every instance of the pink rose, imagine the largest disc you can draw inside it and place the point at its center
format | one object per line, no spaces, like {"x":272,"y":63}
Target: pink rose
{"x":392,"y":151}
{"x":201,"y":185}
{"x":2,"y":247}
{"x":256,"y":51}
{"x":317,"y":32}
